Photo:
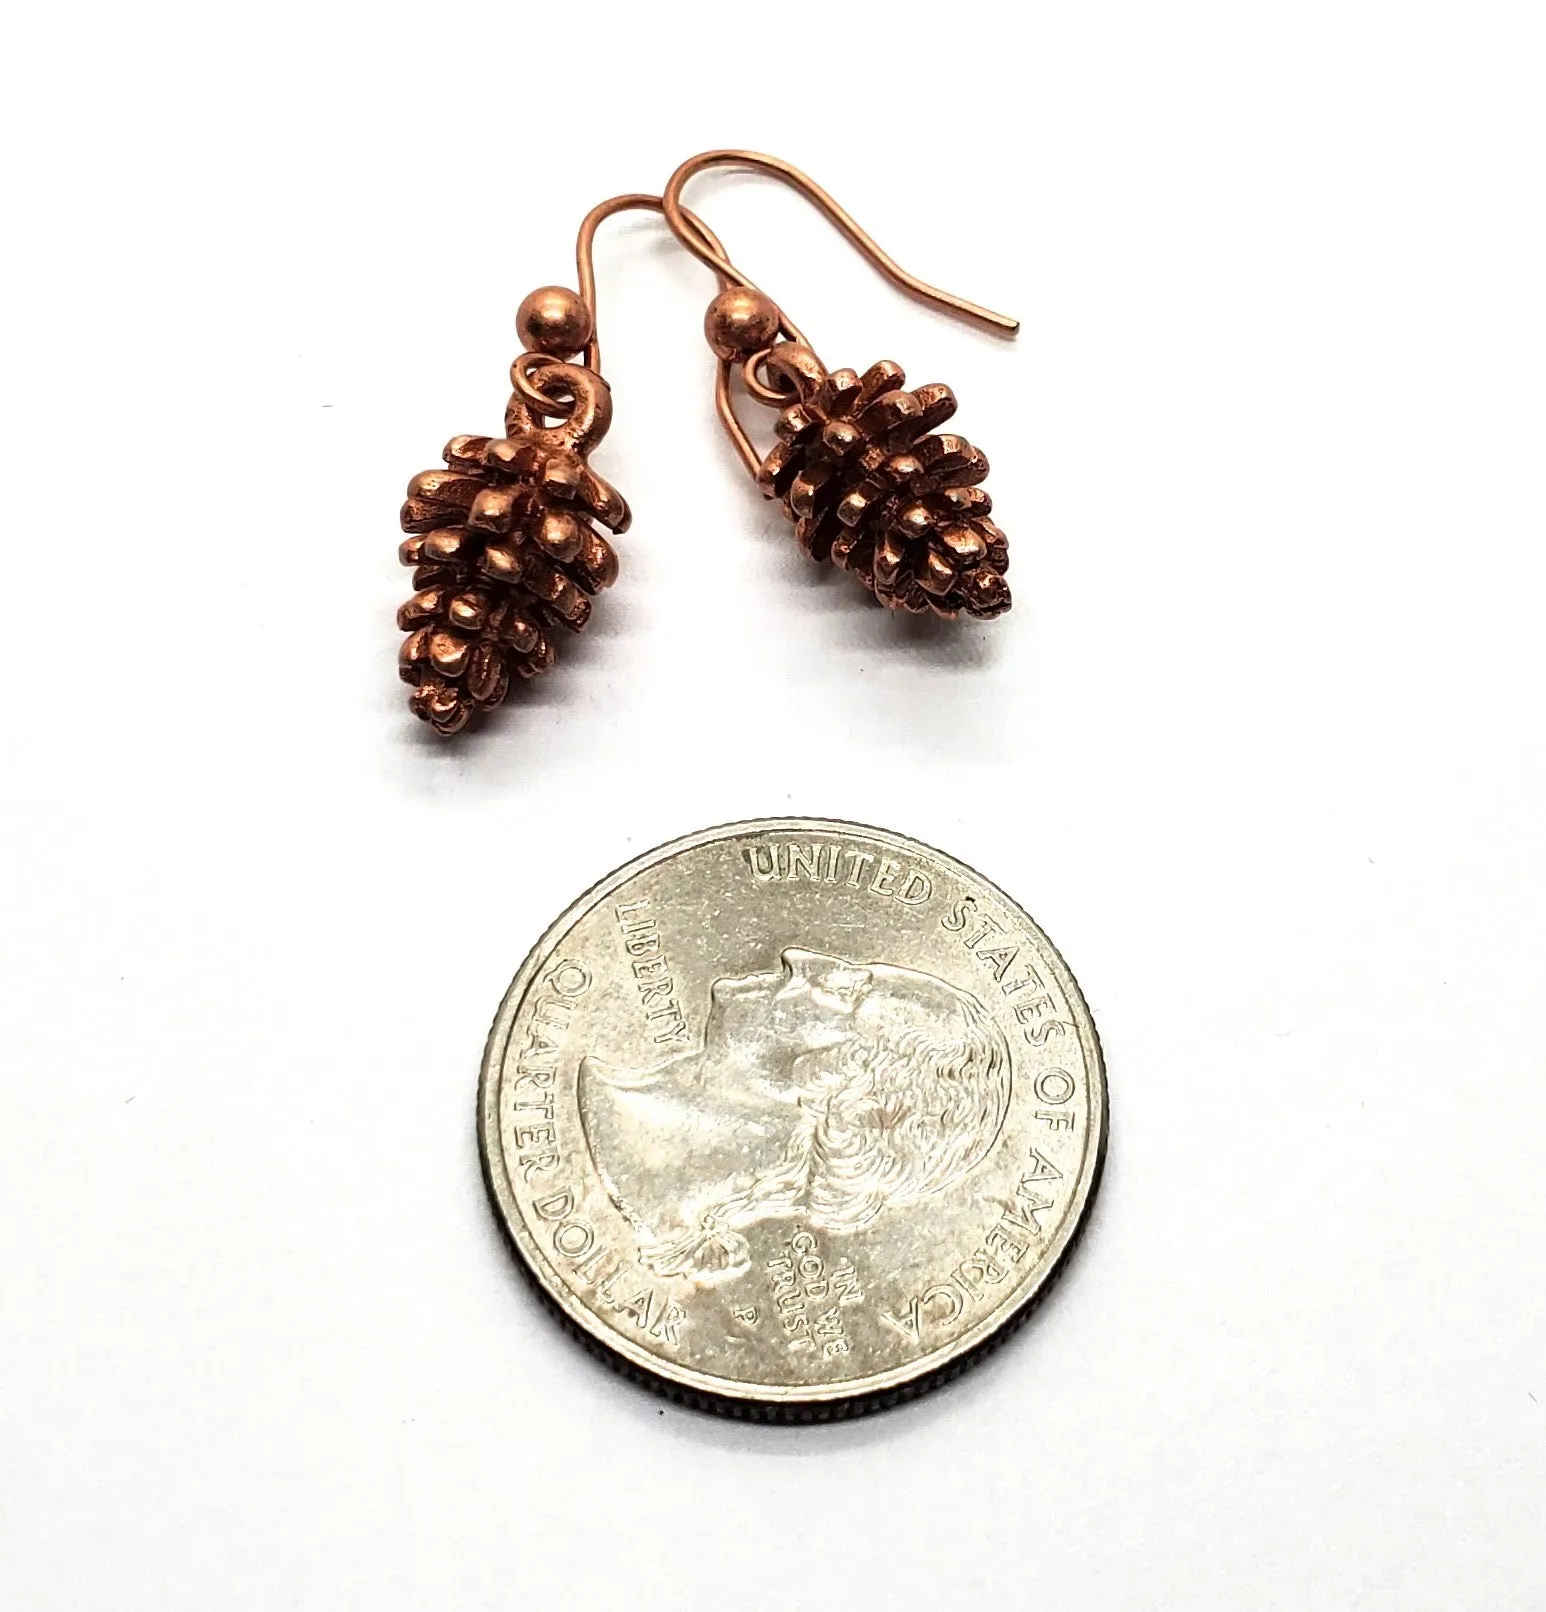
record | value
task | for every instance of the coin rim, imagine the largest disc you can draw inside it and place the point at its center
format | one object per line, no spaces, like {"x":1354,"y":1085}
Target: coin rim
{"x":882,"y":1387}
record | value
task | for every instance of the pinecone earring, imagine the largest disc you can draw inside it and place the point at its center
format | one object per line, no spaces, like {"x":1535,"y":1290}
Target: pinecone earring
{"x":503,"y":541}
{"x":869,"y":483}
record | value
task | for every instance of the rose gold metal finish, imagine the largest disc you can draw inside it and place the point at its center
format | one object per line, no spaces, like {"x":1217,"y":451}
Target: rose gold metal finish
{"x":874,"y":489}
{"x":555,"y":321}
{"x":702,"y":237}
{"x":724,"y":406}
{"x":548,"y":306}
{"x":502,"y":542}
{"x":741,"y":322}
{"x":869,"y":484}
{"x":705,"y":238}
{"x":777,"y":168}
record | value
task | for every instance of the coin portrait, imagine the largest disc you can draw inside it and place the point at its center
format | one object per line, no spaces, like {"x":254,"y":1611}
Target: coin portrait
{"x":834,"y":1089}
{"x":792,"y":1116}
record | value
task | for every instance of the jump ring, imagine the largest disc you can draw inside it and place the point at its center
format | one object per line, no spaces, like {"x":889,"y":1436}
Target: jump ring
{"x":530,"y":390}
{"x":778,"y":398}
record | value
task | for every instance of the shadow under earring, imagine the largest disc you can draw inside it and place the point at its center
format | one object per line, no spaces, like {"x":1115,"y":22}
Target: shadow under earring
{"x":870,"y":484}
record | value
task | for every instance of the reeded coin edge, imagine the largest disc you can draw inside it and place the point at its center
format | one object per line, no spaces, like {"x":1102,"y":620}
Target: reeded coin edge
{"x":763,"y":1401}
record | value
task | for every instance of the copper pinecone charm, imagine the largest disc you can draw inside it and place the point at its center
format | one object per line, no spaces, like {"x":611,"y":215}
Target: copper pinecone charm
{"x":504,"y":551}
{"x":873,"y":489}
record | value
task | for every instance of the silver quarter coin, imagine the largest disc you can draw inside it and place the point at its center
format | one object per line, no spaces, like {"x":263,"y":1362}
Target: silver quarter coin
{"x":792,"y":1117}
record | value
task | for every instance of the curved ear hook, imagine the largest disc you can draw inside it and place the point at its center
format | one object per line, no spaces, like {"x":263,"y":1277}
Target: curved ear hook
{"x":692,"y":234}
{"x":699,"y":240}
{"x":688,"y":228}
{"x":527,"y":388}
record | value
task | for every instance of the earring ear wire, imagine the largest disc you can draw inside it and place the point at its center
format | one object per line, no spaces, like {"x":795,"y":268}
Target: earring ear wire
{"x":690,"y":232}
{"x":859,"y":468}
{"x":504,"y":541}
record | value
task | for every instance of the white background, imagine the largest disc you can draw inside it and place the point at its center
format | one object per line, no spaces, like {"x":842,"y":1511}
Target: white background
{"x":1260,"y":745}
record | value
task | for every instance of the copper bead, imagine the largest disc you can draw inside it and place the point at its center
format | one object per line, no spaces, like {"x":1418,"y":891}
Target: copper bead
{"x":553,"y":320}
{"x":741,"y":321}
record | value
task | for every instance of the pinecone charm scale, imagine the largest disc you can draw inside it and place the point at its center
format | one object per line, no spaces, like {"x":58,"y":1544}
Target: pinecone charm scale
{"x":872,"y":487}
{"x":505,"y":551}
